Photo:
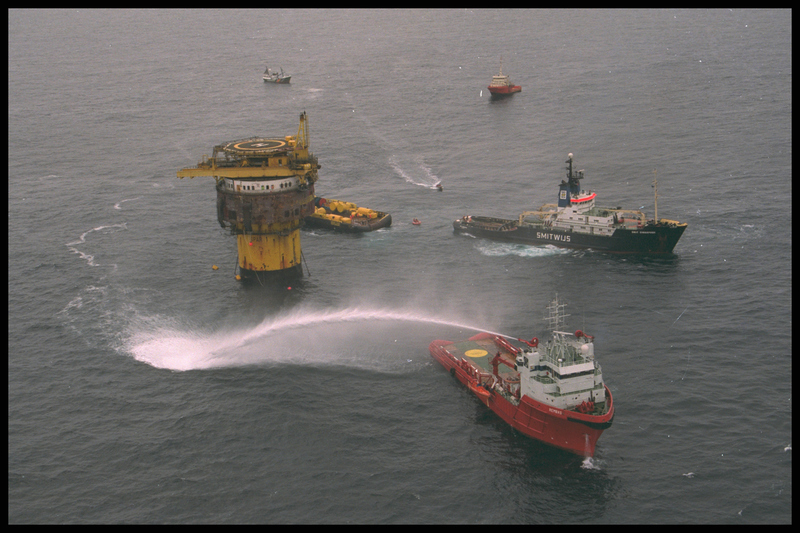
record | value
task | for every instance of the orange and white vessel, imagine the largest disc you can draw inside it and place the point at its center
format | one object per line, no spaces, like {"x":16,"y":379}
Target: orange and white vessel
{"x":551,"y":391}
{"x":501,"y":85}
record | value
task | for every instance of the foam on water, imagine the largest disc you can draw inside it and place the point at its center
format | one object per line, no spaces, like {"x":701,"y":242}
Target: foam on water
{"x":73,"y":246}
{"x":590,"y":463}
{"x":118,"y":205}
{"x":495,"y":249}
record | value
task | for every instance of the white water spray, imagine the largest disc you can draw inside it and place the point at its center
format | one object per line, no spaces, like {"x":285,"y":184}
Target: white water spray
{"x":271,"y":341}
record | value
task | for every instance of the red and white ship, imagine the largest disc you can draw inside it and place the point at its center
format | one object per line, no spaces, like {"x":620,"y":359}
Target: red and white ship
{"x":553,"y":392}
{"x":501,"y":85}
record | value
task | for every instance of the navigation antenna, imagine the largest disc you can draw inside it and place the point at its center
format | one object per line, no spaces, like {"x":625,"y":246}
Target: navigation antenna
{"x":655,"y":185}
{"x":557,"y":317}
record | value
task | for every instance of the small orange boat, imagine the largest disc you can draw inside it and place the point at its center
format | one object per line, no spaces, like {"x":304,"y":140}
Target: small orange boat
{"x":415,"y":221}
{"x":482,"y":393}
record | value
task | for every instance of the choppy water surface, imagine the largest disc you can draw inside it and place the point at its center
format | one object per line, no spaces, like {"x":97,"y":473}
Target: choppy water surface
{"x":146,"y":387}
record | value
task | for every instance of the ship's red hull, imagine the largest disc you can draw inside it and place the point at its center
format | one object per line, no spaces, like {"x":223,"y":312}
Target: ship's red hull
{"x":502,"y":91}
{"x":568,"y":430}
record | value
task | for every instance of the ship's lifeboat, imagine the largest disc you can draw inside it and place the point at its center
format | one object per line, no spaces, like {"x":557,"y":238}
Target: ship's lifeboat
{"x":415,"y":221}
{"x":480,"y":392}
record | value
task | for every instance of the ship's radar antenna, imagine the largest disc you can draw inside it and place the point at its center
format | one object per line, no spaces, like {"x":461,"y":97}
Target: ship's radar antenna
{"x":570,"y":176}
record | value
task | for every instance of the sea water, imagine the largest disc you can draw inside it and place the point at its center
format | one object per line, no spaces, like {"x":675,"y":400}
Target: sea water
{"x":146,"y":387}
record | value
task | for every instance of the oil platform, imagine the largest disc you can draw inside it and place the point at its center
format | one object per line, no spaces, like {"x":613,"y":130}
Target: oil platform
{"x":265,"y":187}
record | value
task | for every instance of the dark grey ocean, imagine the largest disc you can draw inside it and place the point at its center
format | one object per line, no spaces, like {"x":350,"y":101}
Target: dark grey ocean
{"x":145,"y":387}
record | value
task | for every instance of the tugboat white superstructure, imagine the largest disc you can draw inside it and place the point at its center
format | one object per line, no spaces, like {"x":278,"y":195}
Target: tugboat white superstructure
{"x":553,"y":393}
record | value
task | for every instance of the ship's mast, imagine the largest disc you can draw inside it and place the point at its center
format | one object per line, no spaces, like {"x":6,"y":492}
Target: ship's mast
{"x":655,"y":186}
{"x":569,"y":166}
{"x":573,"y":177}
{"x":556,"y":318}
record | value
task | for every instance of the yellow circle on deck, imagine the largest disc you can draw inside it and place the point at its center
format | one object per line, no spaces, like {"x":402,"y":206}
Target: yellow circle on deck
{"x":476,"y":353}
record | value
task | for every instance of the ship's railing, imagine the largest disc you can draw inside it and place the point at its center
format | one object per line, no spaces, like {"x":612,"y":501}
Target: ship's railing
{"x":669,"y":222}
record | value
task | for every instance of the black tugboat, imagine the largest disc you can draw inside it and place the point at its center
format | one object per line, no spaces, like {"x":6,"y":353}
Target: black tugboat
{"x":575,"y":222}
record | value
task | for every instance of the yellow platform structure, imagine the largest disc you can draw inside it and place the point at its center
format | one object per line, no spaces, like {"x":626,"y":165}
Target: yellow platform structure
{"x":265,"y":188}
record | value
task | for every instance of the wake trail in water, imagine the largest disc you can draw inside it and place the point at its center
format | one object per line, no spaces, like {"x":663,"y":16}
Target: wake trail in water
{"x":430,"y":178}
{"x":179,"y":348}
{"x":73,"y":246}
{"x":118,"y":205}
